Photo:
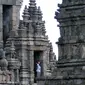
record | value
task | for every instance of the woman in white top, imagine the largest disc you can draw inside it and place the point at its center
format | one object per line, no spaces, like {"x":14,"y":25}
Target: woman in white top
{"x":38,"y":70}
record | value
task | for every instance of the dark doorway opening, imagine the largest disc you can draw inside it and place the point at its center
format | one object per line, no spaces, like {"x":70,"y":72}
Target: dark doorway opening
{"x":7,"y":21}
{"x":38,"y":56}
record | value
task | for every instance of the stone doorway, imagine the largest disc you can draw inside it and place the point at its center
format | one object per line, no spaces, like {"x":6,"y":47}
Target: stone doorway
{"x":7,"y":21}
{"x":38,"y":56}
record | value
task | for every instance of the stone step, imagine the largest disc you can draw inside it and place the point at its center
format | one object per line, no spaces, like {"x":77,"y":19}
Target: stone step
{"x":35,"y":84}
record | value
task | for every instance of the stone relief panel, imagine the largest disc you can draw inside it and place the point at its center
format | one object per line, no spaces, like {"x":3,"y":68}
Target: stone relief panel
{"x":60,"y":51}
{"x":71,"y":51}
{"x":83,"y":51}
{"x":65,"y":52}
{"x":76,"y":48}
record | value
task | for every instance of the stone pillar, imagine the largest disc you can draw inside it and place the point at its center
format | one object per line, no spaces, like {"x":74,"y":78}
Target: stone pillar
{"x":44,"y":68}
{"x":17,"y":75}
{"x":15,"y":16}
{"x":12,"y":76}
{"x":46,"y":64}
{"x":24,"y":68}
{"x":31,"y":66}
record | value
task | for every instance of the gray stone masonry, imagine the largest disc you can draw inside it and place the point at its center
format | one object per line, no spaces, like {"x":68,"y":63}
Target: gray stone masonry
{"x":70,"y":67}
{"x":9,"y":17}
{"x":29,"y":44}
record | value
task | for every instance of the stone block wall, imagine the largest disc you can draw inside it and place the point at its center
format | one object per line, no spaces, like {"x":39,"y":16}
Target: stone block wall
{"x":55,"y":81}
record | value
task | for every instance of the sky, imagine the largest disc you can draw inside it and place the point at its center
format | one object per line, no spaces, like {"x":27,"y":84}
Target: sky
{"x":48,"y":8}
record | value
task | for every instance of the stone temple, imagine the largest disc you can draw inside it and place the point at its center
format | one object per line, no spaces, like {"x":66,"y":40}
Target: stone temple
{"x":70,"y":67}
{"x":23,"y":43}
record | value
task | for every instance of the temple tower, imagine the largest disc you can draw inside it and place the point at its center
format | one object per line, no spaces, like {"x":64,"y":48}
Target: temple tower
{"x":71,"y":63}
{"x":9,"y":17}
{"x":34,"y":43}
{"x":31,"y":45}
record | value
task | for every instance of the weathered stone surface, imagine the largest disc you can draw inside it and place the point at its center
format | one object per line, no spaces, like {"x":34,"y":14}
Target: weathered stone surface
{"x":11,"y":2}
{"x":70,"y":65}
{"x":69,"y":81}
{"x":8,"y":2}
{"x":25,"y":42}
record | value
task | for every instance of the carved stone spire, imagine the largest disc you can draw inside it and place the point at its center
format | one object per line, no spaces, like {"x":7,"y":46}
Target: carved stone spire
{"x":12,"y":49}
{"x":26,"y":18}
{"x":43,"y":28}
{"x":38,"y":30}
{"x":26,"y":15}
{"x":39,"y":13}
{"x":32,"y":9}
{"x":32,"y":3}
{"x":71,"y":47}
{"x":51,"y":52}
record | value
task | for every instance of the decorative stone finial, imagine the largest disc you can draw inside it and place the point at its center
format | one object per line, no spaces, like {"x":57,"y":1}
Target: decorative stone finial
{"x":43,"y":28}
{"x":51,"y":47}
{"x":32,"y":4}
{"x":32,"y":9}
{"x":12,"y":49}
{"x":39,"y":13}
{"x":26,"y":15}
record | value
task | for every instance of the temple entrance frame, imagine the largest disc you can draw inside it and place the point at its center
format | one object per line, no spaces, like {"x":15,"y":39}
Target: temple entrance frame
{"x":38,"y":56}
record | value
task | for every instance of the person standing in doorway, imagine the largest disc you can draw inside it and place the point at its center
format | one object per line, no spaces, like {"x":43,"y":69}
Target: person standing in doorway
{"x":38,"y":69}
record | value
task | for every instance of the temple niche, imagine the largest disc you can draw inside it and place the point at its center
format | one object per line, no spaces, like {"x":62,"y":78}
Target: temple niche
{"x":7,"y":21}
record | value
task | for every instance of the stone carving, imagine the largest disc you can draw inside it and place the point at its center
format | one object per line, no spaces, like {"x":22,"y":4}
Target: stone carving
{"x":83,"y":51}
{"x":5,"y":75}
{"x":70,"y":67}
{"x":24,"y":42}
{"x":3,"y":61}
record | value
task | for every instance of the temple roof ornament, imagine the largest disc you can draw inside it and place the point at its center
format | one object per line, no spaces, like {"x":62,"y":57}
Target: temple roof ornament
{"x":12,"y":49}
{"x":26,"y":15}
{"x":13,"y":61}
{"x":39,"y":13}
{"x":32,"y":3}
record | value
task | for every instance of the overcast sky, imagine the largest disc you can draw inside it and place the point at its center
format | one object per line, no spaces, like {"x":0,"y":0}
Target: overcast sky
{"x":48,"y":8}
